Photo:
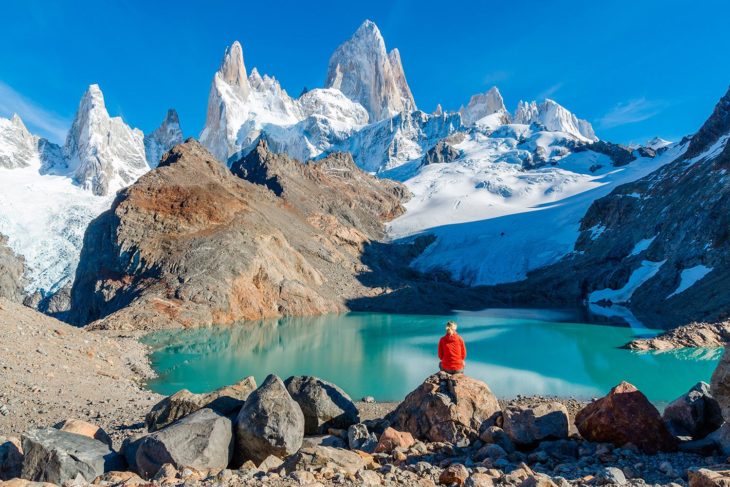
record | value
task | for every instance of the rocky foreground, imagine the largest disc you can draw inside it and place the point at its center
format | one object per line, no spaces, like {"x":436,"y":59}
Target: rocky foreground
{"x":451,"y":430}
{"x":693,"y":335}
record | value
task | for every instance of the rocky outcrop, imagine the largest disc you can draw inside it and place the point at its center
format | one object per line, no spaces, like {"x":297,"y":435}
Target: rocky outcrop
{"x":440,"y":153}
{"x":103,"y":153}
{"x":202,"y":440}
{"x":154,"y":259}
{"x":625,"y":416}
{"x":695,"y":414}
{"x":693,"y":335}
{"x":324,"y":404}
{"x":530,"y":425}
{"x":225,"y":400}
{"x":720,"y":384}
{"x":270,"y":423}
{"x":447,"y":408}
{"x":365,"y":72}
{"x":163,"y":138}
{"x":56,"y":456}
{"x":12,"y":267}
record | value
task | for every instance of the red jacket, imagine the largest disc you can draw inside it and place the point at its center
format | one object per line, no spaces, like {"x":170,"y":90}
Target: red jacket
{"x":452,"y":352}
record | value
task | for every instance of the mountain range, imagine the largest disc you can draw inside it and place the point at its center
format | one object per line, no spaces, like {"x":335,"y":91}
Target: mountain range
{"x":493,"y":200}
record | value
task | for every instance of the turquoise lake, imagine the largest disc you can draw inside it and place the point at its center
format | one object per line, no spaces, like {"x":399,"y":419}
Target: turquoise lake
{"x":386,"y":356}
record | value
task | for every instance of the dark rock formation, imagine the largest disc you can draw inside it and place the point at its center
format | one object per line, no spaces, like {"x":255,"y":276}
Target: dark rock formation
{"x":695,"y":414}
{"x":529,"y":425}
{"x":191,"y":244}
{"x":57,"y":456}
{"x":440,"y":153}
{"x":324,"y":404}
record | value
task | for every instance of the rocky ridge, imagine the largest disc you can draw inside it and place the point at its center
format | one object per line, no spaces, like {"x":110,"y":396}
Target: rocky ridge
{"x":151,"y":261}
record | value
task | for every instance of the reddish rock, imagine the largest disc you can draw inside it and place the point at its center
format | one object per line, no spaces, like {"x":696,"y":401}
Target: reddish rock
{"x":454,"y":474}
{"x":392,"y":439}
{"x":704,"y":477}
{"x":624,"y":416}
{"x":447,"y":408}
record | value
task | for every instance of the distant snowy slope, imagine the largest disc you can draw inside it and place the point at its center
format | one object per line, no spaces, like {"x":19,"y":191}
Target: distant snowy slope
{"x":496,"y":220}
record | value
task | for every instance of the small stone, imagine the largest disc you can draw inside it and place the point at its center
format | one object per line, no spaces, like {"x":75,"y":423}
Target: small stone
{"x":368,"y":399}
{"x":612,"y":476}
{"x":392,"y":438}
{"x":454,"y":474}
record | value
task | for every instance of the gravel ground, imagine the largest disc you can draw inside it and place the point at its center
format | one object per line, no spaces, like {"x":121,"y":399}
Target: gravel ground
{"x":51,"y":371}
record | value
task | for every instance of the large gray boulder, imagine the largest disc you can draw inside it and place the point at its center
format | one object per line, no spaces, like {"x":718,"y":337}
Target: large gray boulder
{"x":695,"y":414}
{"x":57,"y":456}
{"x":225,"y":400}
{"x":202,"y":440}
{"x":270,"y":423}
{"x":530,"y":425}
{"x":324,"y":404}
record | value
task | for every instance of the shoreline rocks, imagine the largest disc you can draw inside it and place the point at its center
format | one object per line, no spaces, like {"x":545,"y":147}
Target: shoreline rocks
{"x":693,"y":335}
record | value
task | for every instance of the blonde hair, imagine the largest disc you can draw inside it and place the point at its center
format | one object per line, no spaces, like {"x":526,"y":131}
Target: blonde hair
{"x":451,"y":326}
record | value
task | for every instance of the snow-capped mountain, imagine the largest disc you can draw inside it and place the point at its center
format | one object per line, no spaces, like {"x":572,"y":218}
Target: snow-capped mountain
{"x":365,"y":72}
{"x":554,"y":117}
{"x":485,"y":109}
{"x":18,"y":148}
{"x":103,"y":153}
{"x":163,"y":138}
{"x":656,"y":143}
{"x":241,"y":109}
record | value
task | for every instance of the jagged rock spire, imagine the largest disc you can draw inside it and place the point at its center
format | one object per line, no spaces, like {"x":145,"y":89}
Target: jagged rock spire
{"x":104,"y":153}
{"x":163,"y":138}
{"x":554,"y":117}
{"x":366,"y":73}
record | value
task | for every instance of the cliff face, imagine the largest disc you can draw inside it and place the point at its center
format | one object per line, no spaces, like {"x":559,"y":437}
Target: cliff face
{"x":11,"y":272}
{"x":192,"y":244}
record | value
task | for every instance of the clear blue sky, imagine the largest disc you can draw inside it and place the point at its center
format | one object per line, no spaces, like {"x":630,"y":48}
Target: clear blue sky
{"x":633,"y":68}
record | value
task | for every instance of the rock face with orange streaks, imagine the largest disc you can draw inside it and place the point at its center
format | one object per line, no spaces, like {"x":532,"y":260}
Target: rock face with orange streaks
{"x":192,"y":244}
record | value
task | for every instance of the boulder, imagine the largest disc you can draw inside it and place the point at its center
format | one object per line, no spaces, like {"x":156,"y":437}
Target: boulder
{"x":359,"y":438}
{"x":202,"y":440}
{"x":324,"y":404}
{"x":11,"y":458}
{"x":85,"y":429}
{"x":529,"y":425}
{"x":270,"y":463}
{"x":337,"y":459}
{"x":705,"y":477}
{"x":720,"y":384}
{"x":624,"y":416}
{"x":224,"y":400}
{"x":447,"y":408}
{"x":270,"y":423}
{"x":495,"y":434}
{"x":392,"y":439}
{"x":454,"y":474}
{"x":57,"y":456}
{"x":611,"y":476}
{"x":695,"y":414}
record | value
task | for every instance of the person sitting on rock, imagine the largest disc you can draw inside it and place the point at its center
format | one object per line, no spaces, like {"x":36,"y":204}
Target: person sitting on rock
{"x":452,"y":351}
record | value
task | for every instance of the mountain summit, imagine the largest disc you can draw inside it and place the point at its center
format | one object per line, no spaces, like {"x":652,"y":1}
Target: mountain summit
{"x":366,"y":73}
{"x":103,"y":152}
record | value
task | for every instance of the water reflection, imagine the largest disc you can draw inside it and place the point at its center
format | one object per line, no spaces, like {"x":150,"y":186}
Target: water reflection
{"x":386,"y":356}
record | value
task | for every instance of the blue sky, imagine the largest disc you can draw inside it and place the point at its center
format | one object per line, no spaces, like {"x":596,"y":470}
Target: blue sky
{"x":633,"y":68}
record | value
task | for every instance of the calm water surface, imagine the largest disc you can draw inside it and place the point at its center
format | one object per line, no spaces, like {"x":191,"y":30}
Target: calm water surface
{"x":386,"y":356}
